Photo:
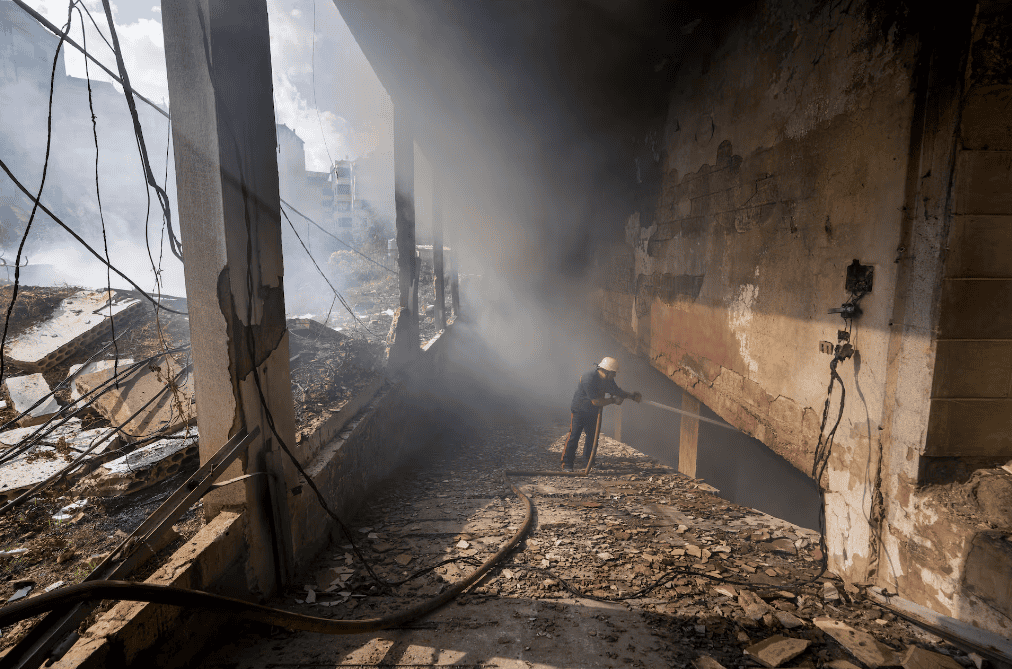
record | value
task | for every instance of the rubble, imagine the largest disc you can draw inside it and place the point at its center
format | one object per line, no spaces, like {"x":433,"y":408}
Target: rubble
{"x":80,"y":320}
{"x":24,"y":391}
{"x":775,"y":650}
{"x":91,"y":368}
{"x":141,"y":468}
{"x":861,"y":645}
{"x":173,"y":410}
{"x":556,"y":600}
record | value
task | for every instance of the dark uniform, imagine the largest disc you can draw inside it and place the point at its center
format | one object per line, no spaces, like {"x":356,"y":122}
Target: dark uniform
{"x":591,"y":387}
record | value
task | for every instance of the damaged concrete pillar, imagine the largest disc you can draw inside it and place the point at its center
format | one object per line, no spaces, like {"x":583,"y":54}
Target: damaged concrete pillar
{"x":437,"y":254}
{"x":688,"y":436}
{"x":404,"y":342}
{"x":217,"y":54}
{"x":454,"y":282}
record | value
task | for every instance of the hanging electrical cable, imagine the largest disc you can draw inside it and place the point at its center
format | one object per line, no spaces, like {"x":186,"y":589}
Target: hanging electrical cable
{"x":35,"y":200}
{"x":163,"y":198}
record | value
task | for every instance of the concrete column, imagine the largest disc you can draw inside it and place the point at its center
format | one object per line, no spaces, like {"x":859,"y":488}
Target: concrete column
{"x":688,"y":436}
{"x":437,"y":254}
{"x":404,"y":344}
{"x":455,"y":281}
{"x":217,"y":54}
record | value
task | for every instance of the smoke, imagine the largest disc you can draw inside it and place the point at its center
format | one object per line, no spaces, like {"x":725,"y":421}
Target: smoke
{"x":349,"y":123}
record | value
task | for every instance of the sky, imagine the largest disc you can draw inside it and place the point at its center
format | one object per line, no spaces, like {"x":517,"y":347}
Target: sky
{"x":337,"y":118}
{"x":346,"y":115}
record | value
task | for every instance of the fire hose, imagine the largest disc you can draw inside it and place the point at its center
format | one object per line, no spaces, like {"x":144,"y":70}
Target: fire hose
{"x":172,"y":596}
{"x":162,"y":594}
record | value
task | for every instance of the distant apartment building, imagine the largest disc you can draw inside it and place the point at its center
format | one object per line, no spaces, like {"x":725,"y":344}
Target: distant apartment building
{"x":342,"y":181}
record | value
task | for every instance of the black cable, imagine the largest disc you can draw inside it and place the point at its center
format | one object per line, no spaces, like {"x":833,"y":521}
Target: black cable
{"x":35,"y":206}
{"x":163,"y":198}
{"x":337,"y":295}
{"x":98,"y":191}
{"x":63,"y":35}
{"x":83,"y":243}
{"x":338,"y":239}
{"x":60,"y":475}
{"x":88,"y":398}
{"x":319,"y":118}
{"x":80,"y":4}
{"x":63,"y":384}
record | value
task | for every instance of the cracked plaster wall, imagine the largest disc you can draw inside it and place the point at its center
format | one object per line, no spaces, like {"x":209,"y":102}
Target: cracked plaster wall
{"x":785,"y":158}
{"x":791,"y":150}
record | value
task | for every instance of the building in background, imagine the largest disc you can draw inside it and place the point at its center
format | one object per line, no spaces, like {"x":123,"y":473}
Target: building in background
{"x":343,"y":184}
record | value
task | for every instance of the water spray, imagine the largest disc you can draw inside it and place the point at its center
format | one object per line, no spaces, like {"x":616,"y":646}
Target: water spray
{"x":690,"y":414}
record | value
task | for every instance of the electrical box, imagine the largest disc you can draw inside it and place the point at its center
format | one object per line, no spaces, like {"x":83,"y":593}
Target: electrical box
{"x":859,"y":278}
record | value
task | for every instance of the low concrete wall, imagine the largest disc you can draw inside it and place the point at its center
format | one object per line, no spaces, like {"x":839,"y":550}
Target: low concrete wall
{"x":132,"y":631}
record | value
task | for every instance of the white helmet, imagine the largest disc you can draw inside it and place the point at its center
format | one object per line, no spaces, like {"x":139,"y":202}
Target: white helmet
{"x":609,"y":365}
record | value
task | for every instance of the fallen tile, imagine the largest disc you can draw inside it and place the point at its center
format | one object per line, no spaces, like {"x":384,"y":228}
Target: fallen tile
{"x":776,"y":650}
{"x":788,"y":620}
{"x":403,"y":559}
{"x":91,"y":368}
{"x":726,"y":590}
{"x":754,"y":607}
{"x":25,"y":391}
{"x":783,"y":545}
{"x":20,"y":594}
{"x":861,"y":645}
{"x":79,"y":320}
{"x":919,"y":658}
{"x":383,"y":546}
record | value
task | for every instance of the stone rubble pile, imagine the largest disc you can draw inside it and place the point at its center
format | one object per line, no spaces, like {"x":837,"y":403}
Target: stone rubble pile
{"x":146,"y":402}
{"x":738,"y":588}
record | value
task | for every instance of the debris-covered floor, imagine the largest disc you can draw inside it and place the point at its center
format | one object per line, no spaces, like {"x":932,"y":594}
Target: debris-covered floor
{"x":57,"y":536}
{"x":577,"y":593}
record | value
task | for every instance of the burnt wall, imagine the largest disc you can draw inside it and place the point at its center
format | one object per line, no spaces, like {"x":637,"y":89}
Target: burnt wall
{"x":785,"y":158}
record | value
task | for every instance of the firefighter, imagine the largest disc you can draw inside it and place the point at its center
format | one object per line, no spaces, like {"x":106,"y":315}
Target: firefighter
{"x":596,"y":390}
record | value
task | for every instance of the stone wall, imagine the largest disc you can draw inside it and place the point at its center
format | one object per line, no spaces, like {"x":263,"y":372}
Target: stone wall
{"x":785,"y":159}
{"x":809,"y":136}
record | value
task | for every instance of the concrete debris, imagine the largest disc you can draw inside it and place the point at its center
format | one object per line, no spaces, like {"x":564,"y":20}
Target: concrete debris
{"x":91,"y":368}
{"x":67,"y":512}
{"x":919,"y":658}
{"x":13,"y":552}
{"x":80,"y":320}
{"x":754,"y":607}
{"x":20,"y":594}
{"x":830,"y":593}
{"x":25,"y":391}
{"x":141,"y":468}
{"x":788,"y":619}
{"x":776,"y":650}
{"x":172,"y":411}
{"x":639,"y":514}
{"x":861,"y":645}
{"x":706,"y":662}
{"x":1007,"y":466}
